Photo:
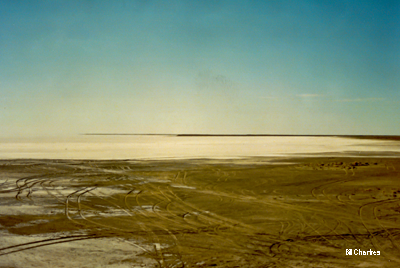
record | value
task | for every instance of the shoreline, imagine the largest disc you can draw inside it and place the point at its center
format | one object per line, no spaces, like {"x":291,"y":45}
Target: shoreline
{"x":324,"y":155}
{"x":373,"y":137}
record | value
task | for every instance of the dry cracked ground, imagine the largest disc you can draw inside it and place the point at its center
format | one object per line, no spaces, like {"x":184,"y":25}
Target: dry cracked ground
{"x":254,"y":212}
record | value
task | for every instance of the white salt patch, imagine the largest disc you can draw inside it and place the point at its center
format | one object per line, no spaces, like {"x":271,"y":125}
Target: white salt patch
{"x":23,"y":209}
{"x":31,"y":223}
{"x":44,"y":192}
{"x":146,"y":208}
{"x":100,"y":252}
{"x":182,"y":186}
{"x":156,"y":180}
{"x":198,"y":213}
{"x":115,"y":213}
{"x":148,"y":180}
{"x":155,"y":147}
{"x":106,"y":191}
{"x":9,"y":188}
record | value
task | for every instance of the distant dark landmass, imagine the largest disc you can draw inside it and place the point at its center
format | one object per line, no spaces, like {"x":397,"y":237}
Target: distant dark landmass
{"x":377,"y":137}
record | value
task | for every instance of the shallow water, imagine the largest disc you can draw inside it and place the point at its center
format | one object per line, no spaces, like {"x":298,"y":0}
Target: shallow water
{"x":151,"y":147}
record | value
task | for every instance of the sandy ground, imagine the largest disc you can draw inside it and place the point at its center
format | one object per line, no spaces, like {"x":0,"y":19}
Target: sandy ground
{"x":252,"y":212}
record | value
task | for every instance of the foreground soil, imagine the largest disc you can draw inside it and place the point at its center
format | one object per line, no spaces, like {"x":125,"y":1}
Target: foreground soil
{"x":257,"y":212}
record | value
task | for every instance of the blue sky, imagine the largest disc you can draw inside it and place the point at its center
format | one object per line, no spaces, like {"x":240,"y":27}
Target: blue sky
{"x":233,"y":67}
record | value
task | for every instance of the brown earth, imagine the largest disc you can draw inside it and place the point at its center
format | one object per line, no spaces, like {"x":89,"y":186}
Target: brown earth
{"x":255,"y":212}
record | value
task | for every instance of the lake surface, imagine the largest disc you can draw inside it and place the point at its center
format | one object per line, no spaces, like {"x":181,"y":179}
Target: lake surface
{"x":155,"y":147}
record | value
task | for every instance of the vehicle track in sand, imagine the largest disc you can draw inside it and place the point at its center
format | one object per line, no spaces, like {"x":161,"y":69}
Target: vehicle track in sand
{"x":180,"y":214}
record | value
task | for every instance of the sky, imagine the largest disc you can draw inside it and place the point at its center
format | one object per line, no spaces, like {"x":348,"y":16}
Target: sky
{"x":300,"y":67}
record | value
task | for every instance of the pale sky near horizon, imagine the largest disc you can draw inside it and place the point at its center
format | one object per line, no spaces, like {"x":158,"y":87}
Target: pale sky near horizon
{"x":208,"y":67}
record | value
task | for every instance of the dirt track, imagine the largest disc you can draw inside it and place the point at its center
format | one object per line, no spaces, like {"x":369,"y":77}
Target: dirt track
{"x":200,"y":213}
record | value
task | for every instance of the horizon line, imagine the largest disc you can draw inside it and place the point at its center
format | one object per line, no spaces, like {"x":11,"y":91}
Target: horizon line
{"x":237,"y":135}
